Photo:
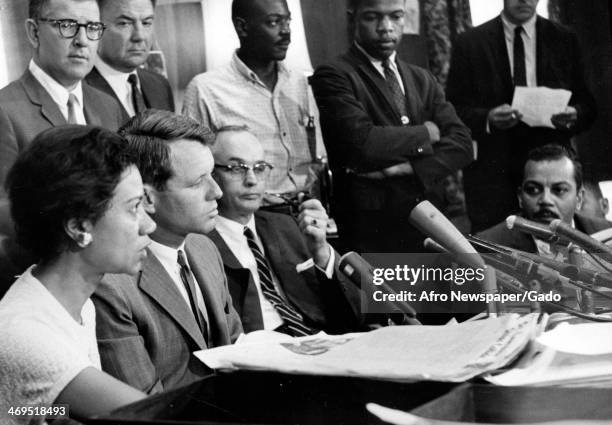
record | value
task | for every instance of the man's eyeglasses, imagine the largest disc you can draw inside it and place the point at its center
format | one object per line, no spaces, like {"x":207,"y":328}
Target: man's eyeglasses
{"x":69,"y":28}
{"x":239,"y":171}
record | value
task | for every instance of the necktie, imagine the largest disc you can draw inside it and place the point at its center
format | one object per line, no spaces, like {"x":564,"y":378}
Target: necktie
{"x":394,"y":87}
{"x":137,"y":97}
{"x":520,"y":73}
{"x":293,"y":320}
{"x":72,"y":105}
{"x":190,"y":286}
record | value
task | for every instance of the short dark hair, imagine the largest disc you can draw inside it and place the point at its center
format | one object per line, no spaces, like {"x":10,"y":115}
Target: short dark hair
{"x":35,"y":7}
{"x":593,"y":187}
{"x":67,"y":172}
{"x":555,"y":152}
{"x":242,"y":9}
{"x":149,"y":135}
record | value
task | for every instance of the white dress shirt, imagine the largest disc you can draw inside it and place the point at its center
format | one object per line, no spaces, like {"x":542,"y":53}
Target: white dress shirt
{"x":168,"y":257}
{"x":59,"y":93}
{"x":118,"y":81}
{"x":378,"y":64}
{"x":529,"y":42}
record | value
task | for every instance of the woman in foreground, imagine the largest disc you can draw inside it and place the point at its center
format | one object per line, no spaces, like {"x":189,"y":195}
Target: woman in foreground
{"x":76,"y":200}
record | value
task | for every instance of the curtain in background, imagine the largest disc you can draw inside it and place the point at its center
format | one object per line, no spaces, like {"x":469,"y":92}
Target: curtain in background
{"x":441,"y":21}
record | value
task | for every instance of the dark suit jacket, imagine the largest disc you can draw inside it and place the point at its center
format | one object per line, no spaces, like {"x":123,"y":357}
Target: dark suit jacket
{"x":155,"y":89}
{"x":480,"y":79}
{"x":330,"y":305}
{"x":363,"y":132}
{"x":147,"y":333}
{"x":26,"y":109}
{"x":513,"y":238}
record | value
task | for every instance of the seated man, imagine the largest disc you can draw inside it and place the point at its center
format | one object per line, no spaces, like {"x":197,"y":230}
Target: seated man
{"x":551,"y":189}
{"x":148,"y":325}
{"x":282,"y":274}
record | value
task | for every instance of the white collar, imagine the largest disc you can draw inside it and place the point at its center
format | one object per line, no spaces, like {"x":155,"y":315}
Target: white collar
{"x":164,"y":253}
{"x":108,"y":72}
{"x":58,"y":93}
{"x":225,"y":225}
{"x":528,"y":26}
{"x":377,"y":62}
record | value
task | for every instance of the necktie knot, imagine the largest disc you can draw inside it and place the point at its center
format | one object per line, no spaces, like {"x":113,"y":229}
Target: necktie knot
{"x":181,"y":259}
{"x":248,"y":233}
{"x":518,"y":31}
{"x":133,"y":80}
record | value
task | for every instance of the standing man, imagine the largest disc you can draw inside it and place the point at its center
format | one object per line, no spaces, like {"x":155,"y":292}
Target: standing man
{"x":259,"y":90}
{"x":149,"y":325}
{"x":64,"y":36}
{"x":518,"y":48}
{"x":282,"y":274}
{"x":388,"y":129}
{"x":123,"y":50}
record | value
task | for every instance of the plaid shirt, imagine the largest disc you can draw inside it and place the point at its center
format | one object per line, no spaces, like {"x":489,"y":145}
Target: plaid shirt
{"x":234,"y":95}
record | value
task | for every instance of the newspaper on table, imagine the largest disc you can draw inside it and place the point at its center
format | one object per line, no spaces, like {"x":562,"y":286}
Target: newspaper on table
{"x":452,"y":353}
{"x":539,"y":104}
{"x":571,"y":355}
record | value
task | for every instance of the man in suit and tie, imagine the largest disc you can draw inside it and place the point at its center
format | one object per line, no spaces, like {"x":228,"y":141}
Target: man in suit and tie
{"x":149,"y":325}
{"x":281,"y":272}
{"x":122,"y":51}
{"x":552,"y":188}
{"x":388,"y":130}
{"x":64,"y":35}
{"x":517,"y":48}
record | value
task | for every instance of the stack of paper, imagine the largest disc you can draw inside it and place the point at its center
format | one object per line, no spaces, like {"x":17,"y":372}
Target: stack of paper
{"x":443,"y":353}
{"x":569,"y":355}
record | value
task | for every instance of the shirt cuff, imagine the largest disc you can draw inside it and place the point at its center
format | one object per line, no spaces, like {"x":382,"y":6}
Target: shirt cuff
{"x":329,"y":269}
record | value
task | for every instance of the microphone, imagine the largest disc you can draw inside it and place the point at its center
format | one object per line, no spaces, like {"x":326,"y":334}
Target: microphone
{"x":581,"y":239}
{"x":359,"y":271}
{"x":429,"y":220}
{"x":538,"y":230}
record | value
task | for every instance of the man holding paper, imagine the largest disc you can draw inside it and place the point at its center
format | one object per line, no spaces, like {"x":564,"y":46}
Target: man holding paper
{"x":499,"y":73}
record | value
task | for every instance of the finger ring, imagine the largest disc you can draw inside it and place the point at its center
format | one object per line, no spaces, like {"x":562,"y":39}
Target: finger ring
{"x":314,"y":221}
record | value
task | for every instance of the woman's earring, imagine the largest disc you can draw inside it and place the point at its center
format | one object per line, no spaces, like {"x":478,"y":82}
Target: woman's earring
{"x":85,"y":239}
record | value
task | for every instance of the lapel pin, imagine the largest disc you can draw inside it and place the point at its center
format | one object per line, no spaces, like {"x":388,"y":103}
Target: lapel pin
{"x":405,"y":120}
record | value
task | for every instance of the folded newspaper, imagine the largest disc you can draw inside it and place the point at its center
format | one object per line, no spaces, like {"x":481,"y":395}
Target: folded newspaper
{"x":453,"y":353}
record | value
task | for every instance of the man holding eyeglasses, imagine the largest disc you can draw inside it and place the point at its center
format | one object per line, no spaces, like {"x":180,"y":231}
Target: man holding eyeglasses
{"x":64,"y":35}
{"x":124,"y":48}
{"x":282,"y":274}
{"x":258,"y":89}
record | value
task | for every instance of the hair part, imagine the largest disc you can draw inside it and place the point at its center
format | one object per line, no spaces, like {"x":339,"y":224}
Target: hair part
{"x":555,"y":152}
{"x":67,"y":172}
{"x":149,"y":135}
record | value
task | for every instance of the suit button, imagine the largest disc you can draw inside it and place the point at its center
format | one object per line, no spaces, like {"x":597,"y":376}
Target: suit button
{"x":405,"y":120}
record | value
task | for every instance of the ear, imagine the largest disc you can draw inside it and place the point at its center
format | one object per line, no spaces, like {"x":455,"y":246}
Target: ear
{"x":31,"y":28}
{"x":79,"y":231}
{"x":605,"y":205}
{"x":150,"y":198}
{"x":240,"y":25}
{"x":579,"y":198}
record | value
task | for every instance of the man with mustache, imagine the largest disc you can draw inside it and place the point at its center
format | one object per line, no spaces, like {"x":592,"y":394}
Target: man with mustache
{"x":388,"y":130}
{"x":259,"y":90}
{"x":64,"y":35}
{"x":551,"y":189}
{"x":123,"y":49}
{"x":149,"y":325}
{"x":517,"y":48}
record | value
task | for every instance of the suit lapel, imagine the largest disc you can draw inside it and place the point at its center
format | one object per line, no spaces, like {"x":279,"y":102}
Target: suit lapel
{"x":499,"y":50}
{"x":155,"y":282}
{"x":149,"y":89}
{"x":376,"y":81}
{"x":98,"y":81}
{"x":39,"y":96}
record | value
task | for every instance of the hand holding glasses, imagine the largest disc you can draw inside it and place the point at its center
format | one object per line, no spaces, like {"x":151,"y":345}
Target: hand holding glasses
{"x":69,"y":28}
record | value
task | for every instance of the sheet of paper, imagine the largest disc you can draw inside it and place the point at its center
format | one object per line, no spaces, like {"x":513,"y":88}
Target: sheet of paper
{"x":585,"y":338}
{"x":539,"y":104}
{"x":446,"y":353}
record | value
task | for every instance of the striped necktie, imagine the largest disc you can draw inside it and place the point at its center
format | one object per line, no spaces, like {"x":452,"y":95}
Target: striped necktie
{"x":293,"y":320}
